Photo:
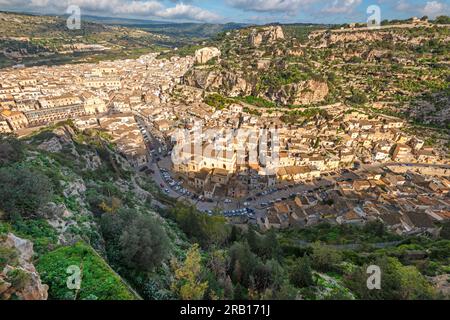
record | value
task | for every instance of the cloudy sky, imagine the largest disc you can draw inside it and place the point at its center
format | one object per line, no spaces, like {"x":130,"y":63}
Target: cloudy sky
{"x":249,"y":11}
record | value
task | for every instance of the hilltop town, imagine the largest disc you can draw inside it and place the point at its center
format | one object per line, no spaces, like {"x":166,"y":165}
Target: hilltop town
{"x":279,"y":161}
{"x":340,"y":163}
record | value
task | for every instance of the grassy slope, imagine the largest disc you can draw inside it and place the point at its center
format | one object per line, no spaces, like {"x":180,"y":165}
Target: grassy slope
{"x":99,"y":281}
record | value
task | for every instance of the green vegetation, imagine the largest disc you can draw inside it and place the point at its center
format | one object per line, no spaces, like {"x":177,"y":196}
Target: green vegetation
{"x":357,"y":98}
{"x":218,"y":101}
{"x":301,"y":274}
{"x":11,"y":149}
{"x":99,"y":281}
{"x":45,"y":40}
{"x":8,"y":256}
{"x":24,"y":192}
{"x":188,"y":50}
{"x":257,"y":101}
{"x":187,"y":283}
{"x":18,"y":278}
{"x":442,"y":20}
{"x":135,"y":241}
{"x":398,"y":282}
{"x":200,"y":228}
{"x":278,"y":78}
{"x":294,"y":116}
{"x":372,"y":232}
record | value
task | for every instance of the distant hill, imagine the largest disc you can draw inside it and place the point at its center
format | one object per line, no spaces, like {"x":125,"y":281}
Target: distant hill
{"x":177,"y":30}
{"x":33,"y":39}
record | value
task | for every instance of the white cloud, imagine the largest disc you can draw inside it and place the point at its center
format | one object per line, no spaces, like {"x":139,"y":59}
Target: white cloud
{"x":430,"y":9}
{"x":342,"y":6}
{"x":188,"y":12}
{"x":434,"y":8}
{"x":127,"y":8}
{"x":138,"y":8}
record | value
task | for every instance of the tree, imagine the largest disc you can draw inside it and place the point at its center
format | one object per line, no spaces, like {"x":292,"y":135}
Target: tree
{"x":217,"y":101}
{"x":301,"y":273}
{"x":144,"y":243}
{"x":23,"y":191}
{"x":188,"y":283}
{"x":324,"y":258}
{"x":11,"y":149}
{"x":269,"y":246}
{"x":358,"y":98}
{"x":112,"y":224}
{"x":199,"y":227}
{"x":442,"y":20}
{"x":398,"y":282}
{"x":377,"y":228}
{"x":253,"y":239}
{"x":242,"y":263}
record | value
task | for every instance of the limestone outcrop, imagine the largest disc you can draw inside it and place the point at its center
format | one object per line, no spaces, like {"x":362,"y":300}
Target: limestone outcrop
{"x":18,"y":276}
{"x":305,"y":92}
{"x":233,"y":84}
{"x":204,"y":55}
{"x":266,"y":35}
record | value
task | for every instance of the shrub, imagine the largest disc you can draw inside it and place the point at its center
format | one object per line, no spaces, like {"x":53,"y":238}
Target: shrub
{"x":325,"y":258}
{"x":200,"y":227}
{"x":398,"y":282}
{"x":11,"y":149}
{"x":18,"y":278}
{"x":144,"y":243}
{"x":218,"y":101}
{"x":23,"y":191}
{"x":7,"y":256}
{"x":301,"y":273}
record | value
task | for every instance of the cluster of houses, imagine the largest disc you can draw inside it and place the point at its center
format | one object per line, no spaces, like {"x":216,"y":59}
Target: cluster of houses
{"x":407,"y":202}
{"x":41,"y":95}
{"x":226,"y":153}
{"x":107,"y":95}
{"x":236,"y":153}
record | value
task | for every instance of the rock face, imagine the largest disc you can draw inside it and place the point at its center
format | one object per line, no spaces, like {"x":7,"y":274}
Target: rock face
{"x":266,"y":35}
{"x":203,"y":55}
{"x":442,"y":284}
{"x":305,"y":92}
{"x":226,"y":82}
{"x":358,"y":36}
{"x":19,"y":277}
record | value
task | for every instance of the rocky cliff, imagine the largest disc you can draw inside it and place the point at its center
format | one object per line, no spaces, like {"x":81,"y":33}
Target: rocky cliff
{"x":301,"y":93}
{"x":267,"y":35}
{"x":18,"y":276}
{"x":206,"y":54}
{"x":226,"y":82}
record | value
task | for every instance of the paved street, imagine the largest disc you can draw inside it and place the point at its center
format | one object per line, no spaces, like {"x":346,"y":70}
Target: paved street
{"x":280,"y":193}
{"x":255,"y":203}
